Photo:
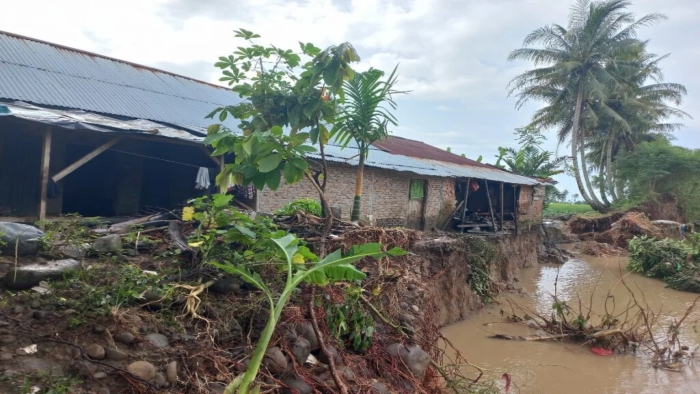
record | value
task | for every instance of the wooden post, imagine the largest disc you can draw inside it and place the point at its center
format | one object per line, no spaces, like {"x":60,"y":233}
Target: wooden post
{"x":45,"y":163}
{"x":488,"y":195}
{"x":466,"y":197}
{"x":64,"y":172}
{"x":502,"y":186}
{"x":515,"y":207}
{"x":449,"y":218}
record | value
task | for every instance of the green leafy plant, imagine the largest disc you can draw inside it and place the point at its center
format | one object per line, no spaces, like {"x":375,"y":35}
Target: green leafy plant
{"x":349,"y":322}
{"x":300,"y":268}
{"x":305,"y":205}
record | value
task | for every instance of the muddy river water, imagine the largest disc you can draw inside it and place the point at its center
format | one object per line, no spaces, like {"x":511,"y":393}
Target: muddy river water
{"x":551,"y":367}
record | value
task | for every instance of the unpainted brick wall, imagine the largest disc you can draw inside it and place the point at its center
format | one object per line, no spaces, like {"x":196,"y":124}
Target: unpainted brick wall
{"x":531,"y":202}
{"x":384,"y":195}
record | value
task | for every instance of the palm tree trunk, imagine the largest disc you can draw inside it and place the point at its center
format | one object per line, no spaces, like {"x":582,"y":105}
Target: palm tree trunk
{"x":599,"y":206}
{"x":574,"y":147}
{"x":601,"y":177}
{"x":357,"y":202}
{"x":609,"y":170}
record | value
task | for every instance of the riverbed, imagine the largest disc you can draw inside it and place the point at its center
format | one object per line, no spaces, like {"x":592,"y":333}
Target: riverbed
{"x":552,"y":367}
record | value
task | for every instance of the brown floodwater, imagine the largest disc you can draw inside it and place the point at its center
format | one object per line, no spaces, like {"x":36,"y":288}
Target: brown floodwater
{"x":553,"y":367}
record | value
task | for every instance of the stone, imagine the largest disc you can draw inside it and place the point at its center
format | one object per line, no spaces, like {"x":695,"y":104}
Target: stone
{"x":18,"y":238}
{"x":226,"y":285}
{"x":99,"y":375}
{"x":124,"y":337}
{"x":304,"y":329}
{"x":39,"y":315}
{"x":379,"y":388}
{"x":108,"y":244}
{"x":406,"y":320}
{"x":30,"y":275}
{"x":44,"y":366}
{"x":404,"y":305}
{"x":415,"y":308}
{"x":413,"y":357}
{"x":95,"y":351}
{"x":35,"y":304}
{"x":158,"y":340}
{"x":142,"y":369}
{"x":333,"y":351}
{"x":6,"y":356}
{"x":74,"y":251}
{"x":171,"y":372}
{"x":275,"y":361}
{"x":159,"y":380}
{"x":98,"y":329}
{"x":301,"y":348}
{"x":557,"y":232}
{"x":296,"y":386}
{"x":115,"y":354}
{"x":131,"y":252}
{"x":411,"y":287}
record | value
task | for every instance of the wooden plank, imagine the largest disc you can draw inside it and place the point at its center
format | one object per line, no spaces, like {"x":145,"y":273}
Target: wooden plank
{"x":466,"y":200}
{"x":449,"y":218}
{"x":64,"y":172}
{"x":502,"y":186}
{"x":515,"y":208}
{"x":488,"y":195}
{"x":45,"y":163}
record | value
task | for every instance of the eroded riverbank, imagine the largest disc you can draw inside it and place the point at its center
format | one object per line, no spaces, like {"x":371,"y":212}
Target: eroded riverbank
{"x":551,"y":367}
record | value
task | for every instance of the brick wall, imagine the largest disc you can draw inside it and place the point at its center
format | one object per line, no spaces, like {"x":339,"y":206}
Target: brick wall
{"x":531,"y":202}
{"x":384,"y":195}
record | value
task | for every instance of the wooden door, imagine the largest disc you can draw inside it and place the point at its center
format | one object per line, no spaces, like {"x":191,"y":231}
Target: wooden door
{"x":416,"y":204}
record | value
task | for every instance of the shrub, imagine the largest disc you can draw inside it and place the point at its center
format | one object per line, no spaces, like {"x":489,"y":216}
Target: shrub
{"x":306,"y":205}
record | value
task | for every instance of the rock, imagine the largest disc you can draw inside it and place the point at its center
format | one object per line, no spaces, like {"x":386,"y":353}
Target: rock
{"x":20,"y":238}
{"x":95,"y":352}
{"x":39,"y":315}
{"x":131,"y":252}
{"x":404,"y":305}
{"x":158,"y":340}
{"x":6,"y":356}
{"x":406,"y":320}
{"x":296,"y":386}
{"x":332,"y":350}
{"x":379,"y":388}
{"x":99,"y":375}
{"x":74,"y":251}
{"x":171,"y":372}
{"x":142,"y":369}
{"x":415,"y":309}
{"x":159,"y":380}
{"x":226,"y":285}
{"x":35,"y":304}
{"x":108,"y":244}
{"x":413,"y":357}
{"x":306,"y":330}
{"x":30,"y":275}
{"x":98,"y":329}
{"x":124,"y":337}
{"x":275,"y":361}
{"x":557,"y":232}
{"x":301,"y":348}
{"x":411,"y":287}
{"x":39,"y":365}
{"x":115,"y":354}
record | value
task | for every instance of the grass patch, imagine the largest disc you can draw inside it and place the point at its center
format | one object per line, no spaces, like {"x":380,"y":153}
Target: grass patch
{"x":563,"y":208}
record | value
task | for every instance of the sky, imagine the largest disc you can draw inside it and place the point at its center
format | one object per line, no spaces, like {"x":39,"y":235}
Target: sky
{"x":452,"y":54}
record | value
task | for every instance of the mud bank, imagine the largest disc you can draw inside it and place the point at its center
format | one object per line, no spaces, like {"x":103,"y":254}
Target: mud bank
{"x":449,"y":265}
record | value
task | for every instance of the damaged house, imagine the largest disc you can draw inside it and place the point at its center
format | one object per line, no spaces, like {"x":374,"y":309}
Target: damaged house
{"x":88,"y":134}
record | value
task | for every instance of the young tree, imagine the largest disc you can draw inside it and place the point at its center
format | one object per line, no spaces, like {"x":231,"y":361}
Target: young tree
{"x":285,"y":107}
{"x":364,"y":118}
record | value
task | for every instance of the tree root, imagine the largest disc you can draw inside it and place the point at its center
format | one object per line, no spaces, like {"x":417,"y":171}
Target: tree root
{"x":331,"y":362}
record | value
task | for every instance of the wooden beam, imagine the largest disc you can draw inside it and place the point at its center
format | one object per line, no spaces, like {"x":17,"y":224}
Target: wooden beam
{"x":502,"y":186}
{"x":449,"y":218}
{"x":488,"y":195}
{"x":64,"y":172}
{"x":466,"y":198}
{"x":515,"y":207}
{"x":45,"y":163}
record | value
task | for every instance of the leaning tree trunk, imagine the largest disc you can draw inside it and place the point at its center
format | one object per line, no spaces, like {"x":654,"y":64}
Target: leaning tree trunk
{"x":601,"y":178}
{"x":574,"y":149}
{"x":609,"y":170}
{"x":599,"y":206}
{"x":357,"y":202}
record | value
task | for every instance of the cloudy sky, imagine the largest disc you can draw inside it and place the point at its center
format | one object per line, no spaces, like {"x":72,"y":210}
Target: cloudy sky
{"x":452,"y":53}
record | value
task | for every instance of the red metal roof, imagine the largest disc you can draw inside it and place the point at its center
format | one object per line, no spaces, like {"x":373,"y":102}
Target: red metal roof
{"x":421,"y":150}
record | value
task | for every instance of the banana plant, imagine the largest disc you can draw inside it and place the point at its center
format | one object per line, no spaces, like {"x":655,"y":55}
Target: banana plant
{"x":295,"y":261}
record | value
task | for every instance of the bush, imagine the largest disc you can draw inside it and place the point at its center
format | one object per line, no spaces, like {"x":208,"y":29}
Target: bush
{"x":306,"y":205}
{"x":673,"y":261}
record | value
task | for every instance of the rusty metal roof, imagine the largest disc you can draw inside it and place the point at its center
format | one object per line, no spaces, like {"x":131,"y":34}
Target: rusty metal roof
{"x":421,"y":150}
{"x":47,"y":74}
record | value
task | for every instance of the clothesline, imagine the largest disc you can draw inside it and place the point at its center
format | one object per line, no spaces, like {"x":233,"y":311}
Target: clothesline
{"x":156,"y":158}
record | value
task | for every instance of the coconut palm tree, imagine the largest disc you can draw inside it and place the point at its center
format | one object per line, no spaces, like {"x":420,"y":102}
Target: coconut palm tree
{"x":575,"y":71}
{"x":365,"y":115}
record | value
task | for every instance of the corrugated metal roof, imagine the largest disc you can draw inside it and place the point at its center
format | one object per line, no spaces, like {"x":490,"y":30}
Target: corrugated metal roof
{"x":419,"y":149}
{"x":426,"y":167}
{"x":48,"y":74}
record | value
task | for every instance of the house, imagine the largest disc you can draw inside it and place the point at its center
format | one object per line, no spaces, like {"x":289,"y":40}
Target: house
{"x":82,"y":132}
{"x":412,"y":184}
{"x":85,"y":133}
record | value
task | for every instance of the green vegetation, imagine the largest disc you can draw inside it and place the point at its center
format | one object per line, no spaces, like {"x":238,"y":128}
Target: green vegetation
{"x":677,"y":262}
{"x":565,"y":208}
{"x":305,"y":205}
{"x":594,"y":81}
